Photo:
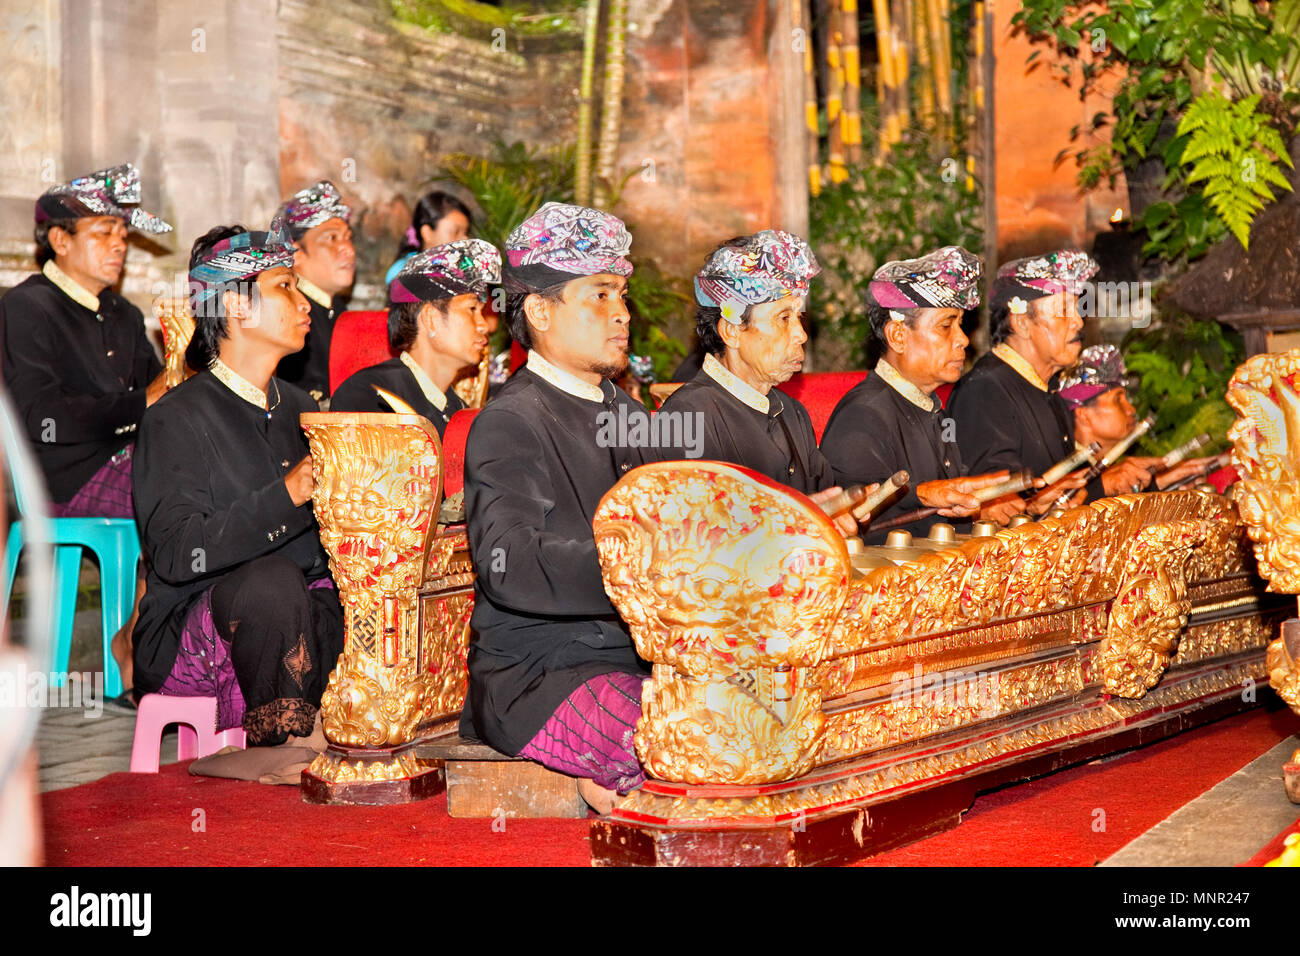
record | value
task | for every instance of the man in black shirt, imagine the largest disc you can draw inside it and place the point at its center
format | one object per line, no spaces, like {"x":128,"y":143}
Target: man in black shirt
{"x":553,"y":675}
{"x":1005,"y":412}
{"x":892,"y":420}
{"x":325,"y":265}
{"x":240,"y":604}
{"x":76,"y":360}
{"x":749,"y":318}
{"x":436,"y":323}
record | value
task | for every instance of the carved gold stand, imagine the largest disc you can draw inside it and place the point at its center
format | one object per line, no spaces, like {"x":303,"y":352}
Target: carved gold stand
{"x":402,"y":580}
{"x":177,"y":329}
{"x":1266,"y":452}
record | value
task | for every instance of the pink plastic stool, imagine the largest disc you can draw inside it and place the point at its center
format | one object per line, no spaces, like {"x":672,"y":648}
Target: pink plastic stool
{"x":197,"y":717}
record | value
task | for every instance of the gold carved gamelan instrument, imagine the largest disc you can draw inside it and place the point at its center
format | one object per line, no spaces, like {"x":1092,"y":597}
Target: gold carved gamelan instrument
{"x":1266,"y":452}
{"x":406,"y":585}
{"x":794,"y":693}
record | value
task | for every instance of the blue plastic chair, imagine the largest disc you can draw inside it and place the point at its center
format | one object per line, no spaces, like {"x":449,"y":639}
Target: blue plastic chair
{"x":117,"y":545}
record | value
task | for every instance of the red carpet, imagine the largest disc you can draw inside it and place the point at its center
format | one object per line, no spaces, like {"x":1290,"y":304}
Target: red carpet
{"x":144,"y":819}
{"x":1050,"y":821}
{"x":131,"y":819}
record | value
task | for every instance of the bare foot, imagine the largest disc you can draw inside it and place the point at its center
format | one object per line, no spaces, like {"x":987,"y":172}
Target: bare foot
{"x":122,"y":647}
{"x":124,"y":654}
{"x":596,"y":796}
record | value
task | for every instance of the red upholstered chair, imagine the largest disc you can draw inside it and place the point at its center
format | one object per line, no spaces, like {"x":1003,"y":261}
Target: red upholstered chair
{"x":820,"y":392}
{"x":453,"y":450}
{"x":360,"y":340}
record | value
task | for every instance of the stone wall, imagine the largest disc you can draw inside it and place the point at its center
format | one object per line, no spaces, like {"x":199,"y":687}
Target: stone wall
{"x":704,"y":118}
{"x":229,"y":105}
{"x":373,"y":105}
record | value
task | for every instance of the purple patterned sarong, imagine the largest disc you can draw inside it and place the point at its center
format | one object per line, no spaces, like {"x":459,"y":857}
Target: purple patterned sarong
{"x":590,"y":734}
{"x":106,"y":494}
{"x":203,"y":667}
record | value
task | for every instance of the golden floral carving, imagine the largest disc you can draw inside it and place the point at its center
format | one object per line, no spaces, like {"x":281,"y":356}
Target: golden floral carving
{"x":733,"y":586}
{"x":332,"y":768}
{"x":866,"y":786}
{"x":729,"y":584}
{"x":444,"y":646}
{"x":922,"y":705}
{"x":1283,"y":674}
{"x":370,"y":704}
{"x":177,"y":329}
{"x":378,"y":488}
{"x":1150,"y":610}
{"x":1266,"y":451}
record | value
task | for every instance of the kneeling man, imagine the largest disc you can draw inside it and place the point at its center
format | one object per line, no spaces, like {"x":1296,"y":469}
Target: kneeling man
{"x":240,"y":604}
{"x":553,"y":674}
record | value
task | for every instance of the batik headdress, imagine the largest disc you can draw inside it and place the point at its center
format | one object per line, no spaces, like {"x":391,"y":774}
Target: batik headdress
{"x":239,"y":258}
{"x":1065,"y":270}
{"x":102,"y":193}
{"x":309,"y":207}
{"x":765,"y":267}
{"x":448,"y":270}
{"x":947,"y":278}
{"x":561,"y":241}
{"x":1099,"y":369}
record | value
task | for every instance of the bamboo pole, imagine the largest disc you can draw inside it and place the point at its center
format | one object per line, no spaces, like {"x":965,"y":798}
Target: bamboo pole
{"x":801,"y":15}
{"x":582,"y":174}
{"x":612,"y":110}
{"x":921,"y":44}
{"x":852,"y":115}
{"x":835,"y":95}
{"x":892,"y":75}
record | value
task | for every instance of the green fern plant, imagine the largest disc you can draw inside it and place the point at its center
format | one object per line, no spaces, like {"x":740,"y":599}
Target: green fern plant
{"x":1232,"y":149}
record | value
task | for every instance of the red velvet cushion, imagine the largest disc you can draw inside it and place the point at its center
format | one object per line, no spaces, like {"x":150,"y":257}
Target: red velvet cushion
{"x":453,"y":451}
{"x":360,"y":340}
{"x":820,"y":392}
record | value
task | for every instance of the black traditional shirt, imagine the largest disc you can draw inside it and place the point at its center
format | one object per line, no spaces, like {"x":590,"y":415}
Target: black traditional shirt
{"x":357,"y":393}
{"x":309,"y":369}
{"x":534,"y":474}
{"x":771,"y":434}
{"x":76,"y":371}
{"x":877,"y":429}
{"x":1005,"y":421}
{"x":210,"y":496}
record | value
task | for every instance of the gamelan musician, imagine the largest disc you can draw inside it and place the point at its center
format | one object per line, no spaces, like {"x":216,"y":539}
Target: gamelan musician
{"x":892,"y":419}
{"x":240,"y":604}
{"x":1005,"y":413}
{"x":553,"y":675}
{"x":750,"y":299}
{"x":436,"y":323}
{"x":1095,"y":390}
